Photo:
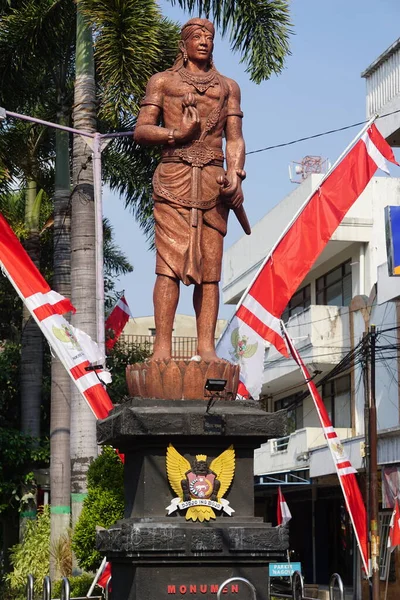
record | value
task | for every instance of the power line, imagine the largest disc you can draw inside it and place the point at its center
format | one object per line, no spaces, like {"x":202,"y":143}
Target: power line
{"x":317,"y":135}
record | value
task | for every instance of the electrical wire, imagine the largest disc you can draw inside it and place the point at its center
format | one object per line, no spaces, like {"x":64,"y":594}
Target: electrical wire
{"x":317,"y":135}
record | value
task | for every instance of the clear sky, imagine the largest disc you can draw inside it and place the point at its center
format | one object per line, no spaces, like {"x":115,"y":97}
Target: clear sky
{"x":320,"y":89}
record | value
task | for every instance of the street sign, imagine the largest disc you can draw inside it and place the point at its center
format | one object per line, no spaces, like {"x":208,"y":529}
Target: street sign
{"x":283,"y":569}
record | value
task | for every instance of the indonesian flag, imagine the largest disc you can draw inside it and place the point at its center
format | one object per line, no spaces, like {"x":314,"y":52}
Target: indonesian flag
{"x":116,"y":322}
{"x":105,"y":576}
{"x":256,"y":320}
{"x":394,"y":532}
{"x":76,"y":350}
{"x":345,"y":470}
{"x":283,"y":514}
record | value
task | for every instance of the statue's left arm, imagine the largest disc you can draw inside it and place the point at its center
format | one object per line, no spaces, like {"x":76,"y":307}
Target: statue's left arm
{"x":235,"y":148}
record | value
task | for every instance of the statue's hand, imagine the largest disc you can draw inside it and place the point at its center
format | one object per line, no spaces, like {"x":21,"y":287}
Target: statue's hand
{"x":190,"y":124}
{"x":231,"y":188}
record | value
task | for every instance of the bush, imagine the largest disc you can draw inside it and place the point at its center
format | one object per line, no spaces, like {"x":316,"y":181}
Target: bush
{"x":79,"y":586}
{"x":32,"y":555}
{"x":102,"y":507}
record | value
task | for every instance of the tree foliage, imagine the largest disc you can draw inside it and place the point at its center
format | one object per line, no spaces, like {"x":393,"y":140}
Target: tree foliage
{"x":102,"y":507}
{"x":118,"y":359}
{"x":32,"y":555}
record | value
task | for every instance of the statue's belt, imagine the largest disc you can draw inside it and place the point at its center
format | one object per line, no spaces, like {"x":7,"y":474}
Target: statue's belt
{"x":196,"y":154}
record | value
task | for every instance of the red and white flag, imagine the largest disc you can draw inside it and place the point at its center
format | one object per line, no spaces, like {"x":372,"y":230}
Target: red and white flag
{"x":394,"y":532}
{"x":257,"y":315}
{"x":346,"y":472}
{"x":75,"y":349}
{"x":116,"y":322}
{"x":105,"y":576}
{"x":283,"y":514}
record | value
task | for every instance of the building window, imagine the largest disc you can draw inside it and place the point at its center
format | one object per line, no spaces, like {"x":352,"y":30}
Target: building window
{"x":298,"y":302}
{"x":152,"y":331}
{"x":337,"y":399}
{"x":335,"y":287}
{"x":294,"y":411}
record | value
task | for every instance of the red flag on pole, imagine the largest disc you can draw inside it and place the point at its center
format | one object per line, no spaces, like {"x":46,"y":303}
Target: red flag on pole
{"x":394,"y":532}
{"x":345,"y":470}
{"x":257,"y":315}
{"x":116,"y":322}
{"x":75,"y":349}
{"x":105,"y":576}
{"x":283,"y":514}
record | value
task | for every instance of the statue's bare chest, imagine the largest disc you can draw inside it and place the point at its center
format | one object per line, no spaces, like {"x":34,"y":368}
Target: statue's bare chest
{"x":177,"y":89}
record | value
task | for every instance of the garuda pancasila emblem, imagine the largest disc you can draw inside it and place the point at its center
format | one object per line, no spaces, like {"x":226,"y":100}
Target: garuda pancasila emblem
{"x":200,"y":488}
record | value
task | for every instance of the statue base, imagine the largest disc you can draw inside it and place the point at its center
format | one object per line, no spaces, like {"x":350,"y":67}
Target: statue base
{"x":171,"y":379}
{"x":155,"y":554}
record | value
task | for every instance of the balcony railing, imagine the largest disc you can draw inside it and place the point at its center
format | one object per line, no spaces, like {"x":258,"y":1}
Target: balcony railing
{"x":279,"y":444}
{"x":383,"y":79}
{"x":183,"y":347}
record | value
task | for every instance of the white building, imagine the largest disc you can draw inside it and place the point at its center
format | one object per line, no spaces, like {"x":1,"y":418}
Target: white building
{"x":347,"y":290}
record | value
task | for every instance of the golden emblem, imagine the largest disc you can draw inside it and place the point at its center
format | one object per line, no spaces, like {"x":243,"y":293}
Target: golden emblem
{"x":200,"y":488}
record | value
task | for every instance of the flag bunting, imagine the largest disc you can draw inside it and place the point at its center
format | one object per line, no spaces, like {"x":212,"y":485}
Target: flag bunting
{"x":394,"y":531}
{"x":75,"y":349}
{"x":345,"y":471}
{"x":116,"y":322}
{"x":257,"y":317}
{"x":283,"y":514}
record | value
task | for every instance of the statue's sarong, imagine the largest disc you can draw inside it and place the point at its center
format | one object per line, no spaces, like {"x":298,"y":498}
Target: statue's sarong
{"x":188,"y":242}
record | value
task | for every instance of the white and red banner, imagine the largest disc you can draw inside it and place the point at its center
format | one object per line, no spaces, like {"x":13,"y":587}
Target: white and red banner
{"x":116,"y":321}
{"x":75,"y":349}
{"x":283,"y":514}
{"x":394,"y":531}
{"x":256,"y":320}
{"x":346,"y":472}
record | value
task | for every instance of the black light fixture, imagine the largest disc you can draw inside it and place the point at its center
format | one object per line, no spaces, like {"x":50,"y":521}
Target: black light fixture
{"x":215,"y":385}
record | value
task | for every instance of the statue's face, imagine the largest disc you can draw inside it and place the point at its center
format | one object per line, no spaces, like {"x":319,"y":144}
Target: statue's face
{"x":200,"y":45}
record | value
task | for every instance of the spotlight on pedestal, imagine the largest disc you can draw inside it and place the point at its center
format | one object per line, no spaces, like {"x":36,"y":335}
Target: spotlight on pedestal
{"x":215,"y":385}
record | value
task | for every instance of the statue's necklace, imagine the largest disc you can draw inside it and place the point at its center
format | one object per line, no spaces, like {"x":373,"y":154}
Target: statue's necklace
{"x":200,"y":82}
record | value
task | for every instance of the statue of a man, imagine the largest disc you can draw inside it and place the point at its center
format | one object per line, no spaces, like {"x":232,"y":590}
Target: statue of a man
{"x":187,"y":109}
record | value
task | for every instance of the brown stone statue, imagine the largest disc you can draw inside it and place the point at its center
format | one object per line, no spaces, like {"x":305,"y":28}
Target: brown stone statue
{"x":187,"y":109}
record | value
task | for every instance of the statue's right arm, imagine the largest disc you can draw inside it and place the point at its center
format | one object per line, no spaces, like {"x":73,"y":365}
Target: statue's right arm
{"x":147,"y":131}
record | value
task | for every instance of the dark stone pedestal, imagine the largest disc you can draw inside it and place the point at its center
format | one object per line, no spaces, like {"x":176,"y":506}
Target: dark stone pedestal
{"x":159,"y":556}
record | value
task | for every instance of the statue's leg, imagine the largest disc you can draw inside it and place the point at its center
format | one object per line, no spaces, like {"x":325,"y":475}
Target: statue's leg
{"x":165,"y":298}
{"x":206,"y":303}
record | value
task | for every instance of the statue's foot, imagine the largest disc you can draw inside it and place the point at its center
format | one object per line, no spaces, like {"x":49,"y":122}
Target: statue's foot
{"x":208,"y":355}
{"x":160,"y":355}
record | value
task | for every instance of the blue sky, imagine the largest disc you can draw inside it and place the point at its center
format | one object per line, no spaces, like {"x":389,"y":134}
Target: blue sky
{"x":320,"y":89}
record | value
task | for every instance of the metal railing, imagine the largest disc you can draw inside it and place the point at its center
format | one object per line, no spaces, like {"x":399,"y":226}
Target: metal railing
{"x":65,"y":590}
{"x":279,"y":444}
{"x":336,"y":589}
{"x":183,"y":347}
{"x":336,"y":580}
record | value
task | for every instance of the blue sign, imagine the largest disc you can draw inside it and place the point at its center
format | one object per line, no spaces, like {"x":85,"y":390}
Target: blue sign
{"x":392,"y":225}
{"x":283,"y":569}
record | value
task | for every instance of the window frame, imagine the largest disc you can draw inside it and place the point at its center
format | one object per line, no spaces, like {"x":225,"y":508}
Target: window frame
{"x":325,"y":287}
{"x":332,"y":396}
{"x":303,"y":305}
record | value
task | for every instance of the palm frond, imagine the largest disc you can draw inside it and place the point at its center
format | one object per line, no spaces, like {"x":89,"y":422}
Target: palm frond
{"x":115,"y":261}
{"x":258,"y":29}
{"x":132,"y":42}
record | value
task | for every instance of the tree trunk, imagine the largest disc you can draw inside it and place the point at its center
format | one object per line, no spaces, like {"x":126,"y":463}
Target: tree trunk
{"x":60,"y":415}
{"x":31,"y":346}
{"x":83,"y":268}
{"x":31,"y":338}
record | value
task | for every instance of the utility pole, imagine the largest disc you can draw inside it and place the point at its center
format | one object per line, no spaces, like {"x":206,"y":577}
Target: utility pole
{"x":373,"y":472}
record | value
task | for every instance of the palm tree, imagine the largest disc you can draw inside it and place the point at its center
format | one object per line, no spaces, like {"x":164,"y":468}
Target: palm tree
{"x":37,"y":41}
